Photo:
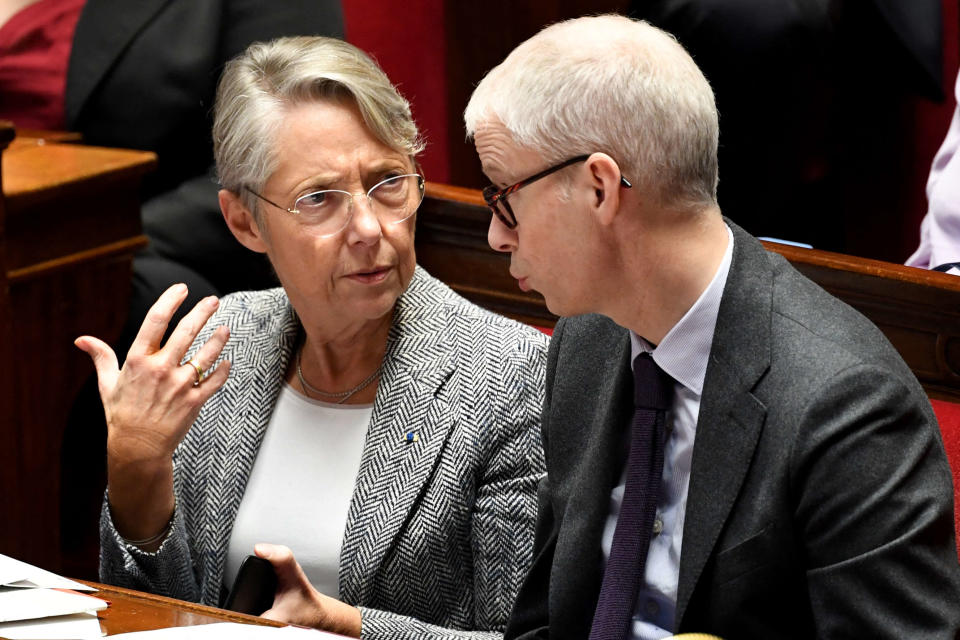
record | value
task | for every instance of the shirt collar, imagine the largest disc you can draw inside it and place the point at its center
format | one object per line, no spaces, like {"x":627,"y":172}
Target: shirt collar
{"x":685,"y":350}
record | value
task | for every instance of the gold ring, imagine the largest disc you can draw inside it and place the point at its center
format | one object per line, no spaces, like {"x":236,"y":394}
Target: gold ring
{"x":199,"y":370}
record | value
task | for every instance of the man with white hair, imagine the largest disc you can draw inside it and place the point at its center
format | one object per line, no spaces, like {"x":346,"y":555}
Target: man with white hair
{"x":729,"y":449}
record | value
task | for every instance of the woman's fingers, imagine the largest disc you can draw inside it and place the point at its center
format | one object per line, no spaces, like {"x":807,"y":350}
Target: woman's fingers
{"x":281,"y":557}
{"x":294,"y":601}
{"x":188,"y":328}
{"x":199,"y":367}
{"x":155,"y":324}
{"x":290,"y":577}
{"x":214,"y":380}
{"x":104,"y":360}
{"x":298,"y":602}
{"x":208,"y":353}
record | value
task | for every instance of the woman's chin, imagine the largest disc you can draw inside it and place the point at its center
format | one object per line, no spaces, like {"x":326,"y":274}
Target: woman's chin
{"x":370,"y":308}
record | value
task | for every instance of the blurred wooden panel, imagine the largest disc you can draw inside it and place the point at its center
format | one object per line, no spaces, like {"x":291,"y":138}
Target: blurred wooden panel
{"x":9,"y":481}
{"x":71,"y":226}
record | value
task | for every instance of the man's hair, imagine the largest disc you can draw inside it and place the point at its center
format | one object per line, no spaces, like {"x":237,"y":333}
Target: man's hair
{"x":611,"y":84}
{"x":261,"y":84}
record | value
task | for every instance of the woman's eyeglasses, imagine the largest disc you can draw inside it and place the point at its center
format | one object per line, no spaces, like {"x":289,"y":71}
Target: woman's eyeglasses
{"x":328,"y":212}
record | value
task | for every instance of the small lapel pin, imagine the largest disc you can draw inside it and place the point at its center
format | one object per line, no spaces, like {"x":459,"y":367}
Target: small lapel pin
{"x":412,"y":437}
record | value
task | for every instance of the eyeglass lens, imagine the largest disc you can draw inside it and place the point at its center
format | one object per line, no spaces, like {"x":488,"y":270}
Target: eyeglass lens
{"x":394,"y":200}
{"x":499,"y":208}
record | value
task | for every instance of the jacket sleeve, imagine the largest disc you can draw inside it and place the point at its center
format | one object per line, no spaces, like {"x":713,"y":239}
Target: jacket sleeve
{"x":166,"y":571}
{"x":530,"y":617}
{"x":875,"y":510}
{"x":504,"y":513}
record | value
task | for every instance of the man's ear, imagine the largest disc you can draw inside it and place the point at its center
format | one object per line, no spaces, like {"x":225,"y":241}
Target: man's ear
{"x":241,"y":222}
{"x":604,"y":178}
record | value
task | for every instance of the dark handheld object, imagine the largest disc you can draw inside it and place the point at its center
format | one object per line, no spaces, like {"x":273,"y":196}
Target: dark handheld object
{"x":254,"y":587}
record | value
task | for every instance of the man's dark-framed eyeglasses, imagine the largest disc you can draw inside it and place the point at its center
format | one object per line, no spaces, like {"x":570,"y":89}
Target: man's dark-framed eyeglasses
{"x":497,"y":199}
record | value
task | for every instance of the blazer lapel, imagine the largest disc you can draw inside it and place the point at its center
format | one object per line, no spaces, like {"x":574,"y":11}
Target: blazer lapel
{"x":408,"y":430}
{"x":597,"y":472}
{"x":105,"y":28}
{"x":731,"y":418}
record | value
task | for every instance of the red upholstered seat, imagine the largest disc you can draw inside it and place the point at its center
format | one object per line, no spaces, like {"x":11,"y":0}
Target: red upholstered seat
{"x":948,"y":415}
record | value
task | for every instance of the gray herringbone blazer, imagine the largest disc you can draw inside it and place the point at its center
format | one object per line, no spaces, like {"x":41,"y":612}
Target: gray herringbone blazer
{"x":440,"y":531}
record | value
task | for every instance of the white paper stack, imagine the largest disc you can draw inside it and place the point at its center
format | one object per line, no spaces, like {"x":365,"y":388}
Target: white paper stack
{"x":37,"y":604}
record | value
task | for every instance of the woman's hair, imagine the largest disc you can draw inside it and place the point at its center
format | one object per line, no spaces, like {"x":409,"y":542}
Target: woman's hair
{"x":261,"y":84}
{"x":610,"y":84}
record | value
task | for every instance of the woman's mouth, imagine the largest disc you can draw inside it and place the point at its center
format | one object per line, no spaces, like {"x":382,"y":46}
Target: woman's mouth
{"x":370,"y":276}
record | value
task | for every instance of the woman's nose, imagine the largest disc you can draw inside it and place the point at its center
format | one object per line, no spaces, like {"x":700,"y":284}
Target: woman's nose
{"x":365,"y":223}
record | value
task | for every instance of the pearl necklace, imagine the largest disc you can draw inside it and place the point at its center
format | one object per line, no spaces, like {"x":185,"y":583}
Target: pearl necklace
{"x":339,"y":397}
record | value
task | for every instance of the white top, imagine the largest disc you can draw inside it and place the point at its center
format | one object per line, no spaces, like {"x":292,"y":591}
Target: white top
{"x":301,"y":484}
{"x":683,"y":354}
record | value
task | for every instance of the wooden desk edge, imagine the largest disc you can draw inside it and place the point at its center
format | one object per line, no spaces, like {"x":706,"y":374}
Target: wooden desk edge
{"x":50,"y":135}
{"x":105,"y":591}
{"x":24,"y":183}
{"x":918,"y":309}
{"x":865,"y":266}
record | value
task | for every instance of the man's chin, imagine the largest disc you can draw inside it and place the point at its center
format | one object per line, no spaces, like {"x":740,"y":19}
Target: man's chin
{"x":555,"y":307}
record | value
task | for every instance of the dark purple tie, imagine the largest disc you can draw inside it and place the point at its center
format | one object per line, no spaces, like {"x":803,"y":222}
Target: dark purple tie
{"x":631,"y":538}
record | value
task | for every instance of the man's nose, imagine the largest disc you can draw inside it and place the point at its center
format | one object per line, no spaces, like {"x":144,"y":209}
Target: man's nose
{"x":500,"y":236}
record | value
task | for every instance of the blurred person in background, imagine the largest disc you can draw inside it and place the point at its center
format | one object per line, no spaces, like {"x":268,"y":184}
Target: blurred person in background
{"x":819,"y":101}
{"x":940,"y":230}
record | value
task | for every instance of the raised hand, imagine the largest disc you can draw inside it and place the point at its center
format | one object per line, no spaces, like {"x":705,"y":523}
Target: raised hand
{"x":150,"y":404}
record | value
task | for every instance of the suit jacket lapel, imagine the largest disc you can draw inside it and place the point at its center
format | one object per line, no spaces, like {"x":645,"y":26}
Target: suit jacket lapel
{"x":104,"y":30}
{"x":731,"y":418}
{"x":396,"y":468}
{"x":593,"y":448}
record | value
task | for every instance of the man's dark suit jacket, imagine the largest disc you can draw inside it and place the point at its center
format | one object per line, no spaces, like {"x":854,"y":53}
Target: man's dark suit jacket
{"x":820,"y":500}
{"x":143,"y":75}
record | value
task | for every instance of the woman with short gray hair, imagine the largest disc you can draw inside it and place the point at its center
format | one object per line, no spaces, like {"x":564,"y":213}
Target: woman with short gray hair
{"x":363,"y":416}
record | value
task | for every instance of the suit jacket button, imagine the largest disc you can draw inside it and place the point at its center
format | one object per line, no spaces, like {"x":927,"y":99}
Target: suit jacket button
{"x":657,"y":526}
{"x":652,"y":608}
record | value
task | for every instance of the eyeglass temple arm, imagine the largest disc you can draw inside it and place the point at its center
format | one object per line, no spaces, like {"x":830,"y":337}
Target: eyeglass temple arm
{"x":269,"y":201}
